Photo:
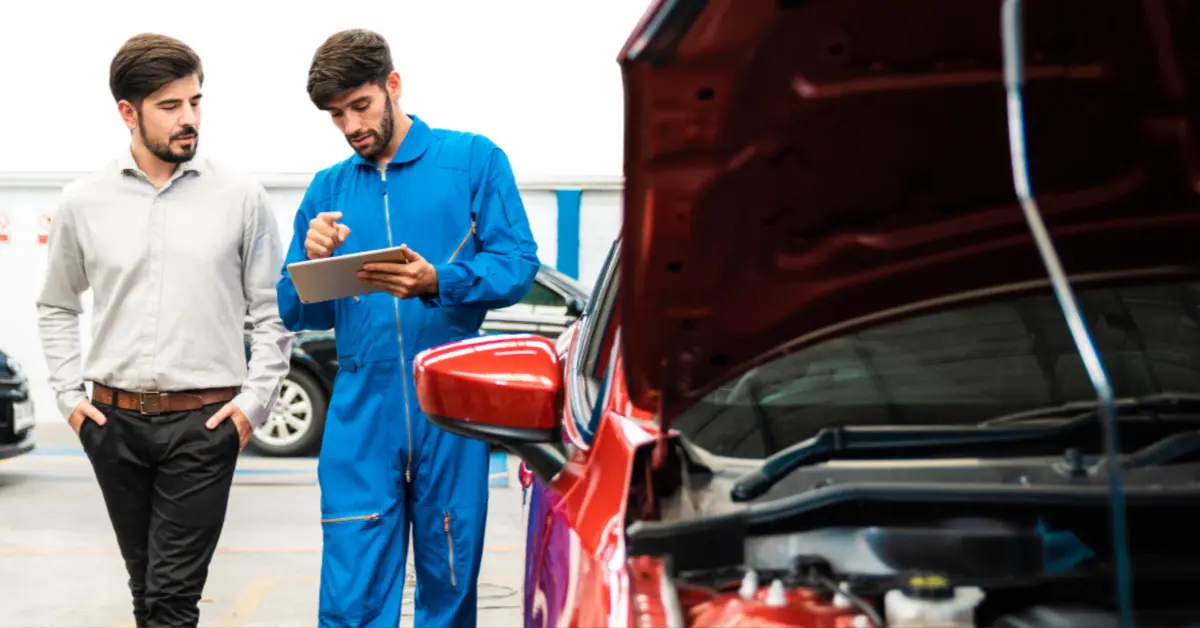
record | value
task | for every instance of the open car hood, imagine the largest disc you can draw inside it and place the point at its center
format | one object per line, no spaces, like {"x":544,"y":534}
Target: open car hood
{"x":798,"y":169}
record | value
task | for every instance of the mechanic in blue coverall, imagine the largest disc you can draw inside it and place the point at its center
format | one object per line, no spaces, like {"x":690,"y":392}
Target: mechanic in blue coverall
{"x":451,"y":199}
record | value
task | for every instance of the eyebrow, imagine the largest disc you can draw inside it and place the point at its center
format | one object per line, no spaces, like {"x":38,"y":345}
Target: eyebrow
{"x":357,"y":101}
{"x":176,"y":101}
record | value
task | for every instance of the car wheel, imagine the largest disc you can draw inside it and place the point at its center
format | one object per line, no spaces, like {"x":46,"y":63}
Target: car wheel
{"x":297,"y":422}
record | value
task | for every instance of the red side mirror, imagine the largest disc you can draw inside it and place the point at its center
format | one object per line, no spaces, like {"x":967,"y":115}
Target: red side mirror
{"x":505,"y":389}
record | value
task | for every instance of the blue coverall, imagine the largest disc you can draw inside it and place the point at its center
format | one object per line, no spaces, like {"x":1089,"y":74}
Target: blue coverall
{"x":452,"y":198}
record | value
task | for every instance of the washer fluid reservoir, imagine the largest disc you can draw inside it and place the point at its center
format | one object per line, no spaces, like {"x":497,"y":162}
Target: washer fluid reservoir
{"x":928,"y":601}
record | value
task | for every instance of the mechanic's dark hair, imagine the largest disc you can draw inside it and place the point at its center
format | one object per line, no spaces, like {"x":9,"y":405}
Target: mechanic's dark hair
{"x":147,"y":62}
{"x":346,"y":60}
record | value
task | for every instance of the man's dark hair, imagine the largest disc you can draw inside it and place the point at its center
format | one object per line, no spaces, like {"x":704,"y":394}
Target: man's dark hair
{"x":346,"y":60}
{"x":148,"y":61}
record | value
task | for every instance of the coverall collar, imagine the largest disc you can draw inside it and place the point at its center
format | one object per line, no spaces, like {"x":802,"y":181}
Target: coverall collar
{"x":413,"y":146}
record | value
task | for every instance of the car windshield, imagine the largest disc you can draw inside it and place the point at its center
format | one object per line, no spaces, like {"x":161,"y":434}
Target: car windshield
{"x":958,"y":366}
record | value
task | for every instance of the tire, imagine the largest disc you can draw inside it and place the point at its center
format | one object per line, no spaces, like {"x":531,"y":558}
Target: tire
{"x":300,"y":436}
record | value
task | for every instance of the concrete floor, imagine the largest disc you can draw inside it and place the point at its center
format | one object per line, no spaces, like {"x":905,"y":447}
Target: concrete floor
{"x":59,"y":564}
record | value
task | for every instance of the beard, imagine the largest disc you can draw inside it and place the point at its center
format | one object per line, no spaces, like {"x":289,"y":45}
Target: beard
{"x":383,"y":135}
{"x":164,"y":151}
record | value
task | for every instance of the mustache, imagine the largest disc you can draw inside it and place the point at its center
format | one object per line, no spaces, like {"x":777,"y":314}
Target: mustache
{"x":187,"y":131}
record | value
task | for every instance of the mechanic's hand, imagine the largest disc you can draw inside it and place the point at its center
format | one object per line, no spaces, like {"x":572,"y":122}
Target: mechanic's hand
{"x":233,"y":413}
{"x":83,"y":412}
{"x":413,"y":278}
{"x":324,"y":235}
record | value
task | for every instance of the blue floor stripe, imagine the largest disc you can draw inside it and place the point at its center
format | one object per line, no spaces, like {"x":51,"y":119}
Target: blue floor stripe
{"x":497,"y":466}
{"x":44,"y":450}
{"x":498,"y":469}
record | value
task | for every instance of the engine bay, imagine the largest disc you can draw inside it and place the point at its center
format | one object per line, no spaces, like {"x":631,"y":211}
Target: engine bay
{"x":809,"y":596}
{"x":908,"y":557}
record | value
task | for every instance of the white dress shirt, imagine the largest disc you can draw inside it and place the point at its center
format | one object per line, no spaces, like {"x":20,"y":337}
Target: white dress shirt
{"x":173,"y":274}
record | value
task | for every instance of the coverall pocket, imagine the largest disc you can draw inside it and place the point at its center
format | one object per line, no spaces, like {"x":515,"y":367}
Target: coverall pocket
{"x":352,"y":567}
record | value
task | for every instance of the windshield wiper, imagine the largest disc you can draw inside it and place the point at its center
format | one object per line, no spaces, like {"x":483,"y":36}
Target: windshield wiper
{"x":1161,"y":402}
{"x":914,"y":440}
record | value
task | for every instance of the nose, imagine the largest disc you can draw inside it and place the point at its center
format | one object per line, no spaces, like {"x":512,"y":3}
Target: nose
{"x":353,"y":123}
{"x":189,"y":117}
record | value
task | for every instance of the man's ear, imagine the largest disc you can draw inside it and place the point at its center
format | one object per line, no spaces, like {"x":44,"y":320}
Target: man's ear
{"x":128,"y":113}
{"x":393,"y":86}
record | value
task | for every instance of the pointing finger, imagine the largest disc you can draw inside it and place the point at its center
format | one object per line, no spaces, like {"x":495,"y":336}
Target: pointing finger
{"x":323,"y":228}
{"x":322,"y":239}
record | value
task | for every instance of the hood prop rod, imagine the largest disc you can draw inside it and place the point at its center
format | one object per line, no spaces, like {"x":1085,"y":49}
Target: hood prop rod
{"x":1014,"y":78}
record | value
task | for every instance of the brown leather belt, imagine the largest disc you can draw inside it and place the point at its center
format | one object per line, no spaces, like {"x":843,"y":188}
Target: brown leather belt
{"x":161,"y":402}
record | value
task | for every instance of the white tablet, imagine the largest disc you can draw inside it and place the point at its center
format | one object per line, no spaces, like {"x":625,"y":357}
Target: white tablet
{"x":336,"y":277}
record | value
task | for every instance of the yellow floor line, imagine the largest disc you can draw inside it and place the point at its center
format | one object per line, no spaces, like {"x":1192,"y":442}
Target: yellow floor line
{"x":251,"y":598}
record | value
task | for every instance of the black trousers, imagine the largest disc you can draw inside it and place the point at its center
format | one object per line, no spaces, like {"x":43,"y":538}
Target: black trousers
{"x":165,"y":480}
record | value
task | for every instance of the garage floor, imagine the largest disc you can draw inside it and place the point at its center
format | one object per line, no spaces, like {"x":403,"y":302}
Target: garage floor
{"x":59,"y":565}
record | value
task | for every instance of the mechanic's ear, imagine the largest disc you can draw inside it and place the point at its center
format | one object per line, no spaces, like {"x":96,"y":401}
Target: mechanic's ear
{"x":393,"y":86}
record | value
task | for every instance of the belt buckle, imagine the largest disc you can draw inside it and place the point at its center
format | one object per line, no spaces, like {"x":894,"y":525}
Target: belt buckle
{"x":155,"y":408}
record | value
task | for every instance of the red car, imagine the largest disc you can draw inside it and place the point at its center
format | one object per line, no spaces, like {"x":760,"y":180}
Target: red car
{"x":831,"y":374}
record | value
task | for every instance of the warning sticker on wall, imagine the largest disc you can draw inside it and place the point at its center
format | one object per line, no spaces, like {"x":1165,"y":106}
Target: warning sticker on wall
{"x":43,"y":228}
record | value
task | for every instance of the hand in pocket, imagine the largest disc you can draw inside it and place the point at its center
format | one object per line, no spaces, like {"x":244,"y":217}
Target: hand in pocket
{"x":85,"y":411}
{"x":232,"y":412}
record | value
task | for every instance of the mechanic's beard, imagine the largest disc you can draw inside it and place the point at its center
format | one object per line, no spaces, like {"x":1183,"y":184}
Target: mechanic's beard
{"x":163,"y":150}
{"x":383,"y":137}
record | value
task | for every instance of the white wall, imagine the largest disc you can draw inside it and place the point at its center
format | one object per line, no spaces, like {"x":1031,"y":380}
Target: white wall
{"x":22,"y":258}
{"x":599,"y":224}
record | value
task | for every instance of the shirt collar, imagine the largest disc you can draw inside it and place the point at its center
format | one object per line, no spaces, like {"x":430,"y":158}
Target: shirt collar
{"x":126,"y":165}
{"x":415,"y":142}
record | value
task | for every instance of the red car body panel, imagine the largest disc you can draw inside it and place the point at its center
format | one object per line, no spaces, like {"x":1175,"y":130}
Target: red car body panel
{"x":584,"y":516}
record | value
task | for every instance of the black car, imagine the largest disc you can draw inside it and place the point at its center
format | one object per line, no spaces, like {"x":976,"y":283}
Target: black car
{"x":297,"y":422}
{"x":16,"y":409}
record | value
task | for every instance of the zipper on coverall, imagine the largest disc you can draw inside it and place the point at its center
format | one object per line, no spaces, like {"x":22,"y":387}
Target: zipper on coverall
{"x":450,"y":545}
{"x":399,"y":332}
{"x":387,"y":216}
{"x":370,"y":517}
{"x":464,"y":241}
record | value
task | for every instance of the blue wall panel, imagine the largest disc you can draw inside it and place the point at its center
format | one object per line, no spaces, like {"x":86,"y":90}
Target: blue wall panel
{"x":569,"y":204}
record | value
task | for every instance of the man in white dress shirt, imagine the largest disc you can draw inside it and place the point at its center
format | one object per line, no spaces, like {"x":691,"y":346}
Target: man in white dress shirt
{"x":176,"y":250}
